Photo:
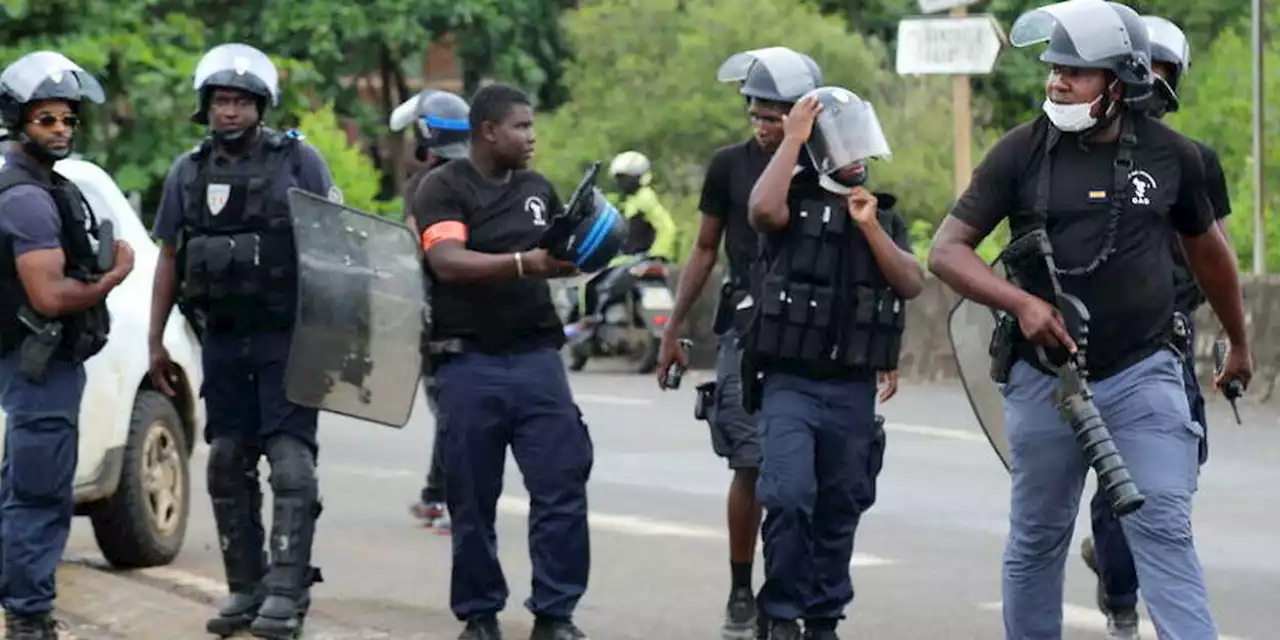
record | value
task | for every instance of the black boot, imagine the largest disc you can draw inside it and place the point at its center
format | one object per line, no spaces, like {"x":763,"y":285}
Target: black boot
{"x":237,"y":510}
{"x":36,"y":626}
{"x":556,"y":629}
{"x":482,"y":628}
{"x":288,"y":581}
{"x":784,"y":630}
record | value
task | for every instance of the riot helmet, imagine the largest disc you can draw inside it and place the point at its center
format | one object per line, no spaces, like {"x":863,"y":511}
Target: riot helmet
{"x":1168,"y":45}
{"x":846,"y":134}
{"x":239,"y":67}
{"x":597,"y":238}
{"x":38,"y":76}
{"x":775,"y":74}
{"x":443,"y":123}
{"x":1091,"y":34}
{"x":630,"y":171}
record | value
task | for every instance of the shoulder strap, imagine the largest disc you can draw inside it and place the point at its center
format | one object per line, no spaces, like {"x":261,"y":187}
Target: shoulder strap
{"x":12,"y":177}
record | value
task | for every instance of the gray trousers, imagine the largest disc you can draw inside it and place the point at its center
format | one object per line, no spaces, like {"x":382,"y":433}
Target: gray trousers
{"x":1145,"y":407}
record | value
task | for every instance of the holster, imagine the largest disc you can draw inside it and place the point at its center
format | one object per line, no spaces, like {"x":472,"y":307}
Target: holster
{"x":1002,"y":350}
{"x":704,"y":400}
{"x":38,"y":348}
{"x":1180,"y":335}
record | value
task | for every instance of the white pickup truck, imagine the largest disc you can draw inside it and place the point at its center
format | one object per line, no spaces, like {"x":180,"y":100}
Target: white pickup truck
{"x":132,"y":479}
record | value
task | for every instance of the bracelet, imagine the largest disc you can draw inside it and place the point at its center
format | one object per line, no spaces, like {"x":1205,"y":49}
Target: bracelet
{"x":519,"y":265}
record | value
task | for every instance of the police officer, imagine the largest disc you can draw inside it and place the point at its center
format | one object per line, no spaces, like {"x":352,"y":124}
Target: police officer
{"x":499,"y":380}
{"x":227,"y":253}
{"x":443,"y":134}
{"x":1111,"y":558}
{"x":836,"y":270}
{"x":1106,"y":183}
{"x":731,"y":174}
{"x":652,"y":229}
{"x":53,"y":317}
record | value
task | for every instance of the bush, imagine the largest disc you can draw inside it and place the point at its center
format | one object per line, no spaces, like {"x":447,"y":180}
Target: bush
{"x":352,"y":169}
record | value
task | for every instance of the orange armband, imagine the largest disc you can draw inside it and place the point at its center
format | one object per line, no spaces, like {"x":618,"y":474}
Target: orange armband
{"x":447,"y":230}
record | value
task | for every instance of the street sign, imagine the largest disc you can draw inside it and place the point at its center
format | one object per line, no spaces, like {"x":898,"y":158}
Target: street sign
{"x":936,"y":6}
{"x":948,"y":45}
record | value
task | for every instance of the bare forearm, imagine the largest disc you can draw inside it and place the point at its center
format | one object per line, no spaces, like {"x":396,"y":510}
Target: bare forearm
{"x":1214,"y":265}
{"x":961,"y":269}
{"x":456,"y":264}
{"x":768,"y":202}
{"x":72,"y":295}
{"x":162,"y":294}
{"x":692,"y":279}
{"x":900,"y":268}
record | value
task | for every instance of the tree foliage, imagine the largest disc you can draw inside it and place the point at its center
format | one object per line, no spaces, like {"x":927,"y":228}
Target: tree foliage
{"x":353,"y":172}
{"x":651,"y":86}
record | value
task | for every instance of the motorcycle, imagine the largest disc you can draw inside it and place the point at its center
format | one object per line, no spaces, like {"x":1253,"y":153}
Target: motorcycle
{"x":619,"y":311}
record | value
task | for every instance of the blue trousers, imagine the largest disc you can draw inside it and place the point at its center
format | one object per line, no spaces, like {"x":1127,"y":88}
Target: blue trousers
{"x":822,"y":453}
{"x":244,"y":390}
{"x":1115,"y":560}
{"x":1145,"y":407}
{"x":485,"y":404}
{"x":37,"y":478}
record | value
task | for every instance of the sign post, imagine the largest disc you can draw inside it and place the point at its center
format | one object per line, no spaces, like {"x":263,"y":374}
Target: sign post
{"x":959,"y":45}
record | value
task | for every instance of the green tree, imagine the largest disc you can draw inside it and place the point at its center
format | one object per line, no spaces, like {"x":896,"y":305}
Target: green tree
{"x":651,"y":86}
{"x":352,"y":170}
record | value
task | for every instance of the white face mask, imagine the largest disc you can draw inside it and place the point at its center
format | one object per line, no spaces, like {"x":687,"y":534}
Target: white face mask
{"x":1071,"y":118}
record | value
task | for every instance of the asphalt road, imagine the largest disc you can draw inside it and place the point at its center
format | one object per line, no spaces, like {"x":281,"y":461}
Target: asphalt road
{"x":927,"y":567}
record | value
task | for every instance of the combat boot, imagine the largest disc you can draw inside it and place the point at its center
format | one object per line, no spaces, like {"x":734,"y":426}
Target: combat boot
{"x":556,"y":629}
{"x":238,"y":515}
{"x":740,"y":616}
{"x":820,"y":634}
{"x":785,"y":630}
{"x":483,"y":628}
{"x":36,"y":626}
{"x":288,"y":581}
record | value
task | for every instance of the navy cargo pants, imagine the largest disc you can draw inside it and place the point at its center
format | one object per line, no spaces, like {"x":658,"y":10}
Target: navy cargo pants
{"x":1115,"y":559}
{"x":822,"y":453}
{"x":37,"y":478}
{"x":487,"y":403}
{"x":1145,"y":407}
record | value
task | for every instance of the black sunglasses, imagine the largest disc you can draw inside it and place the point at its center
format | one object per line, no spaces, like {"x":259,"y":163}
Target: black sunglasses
{"x":48,"y":121}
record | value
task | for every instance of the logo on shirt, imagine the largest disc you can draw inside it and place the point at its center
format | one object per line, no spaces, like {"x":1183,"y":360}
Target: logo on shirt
{"x":1143,"y":187}
{"x":216,"y":196}
{"x":535,"y":207}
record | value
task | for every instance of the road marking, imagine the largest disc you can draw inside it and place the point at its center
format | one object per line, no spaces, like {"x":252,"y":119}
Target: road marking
{"x":936,"y":432}
{"x":591,"y":398}
{"x":1090,"y":619}
{"x":638,"y":526}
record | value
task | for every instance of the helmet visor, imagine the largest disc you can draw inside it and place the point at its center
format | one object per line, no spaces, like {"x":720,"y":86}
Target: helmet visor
{"x":1095,"y":29}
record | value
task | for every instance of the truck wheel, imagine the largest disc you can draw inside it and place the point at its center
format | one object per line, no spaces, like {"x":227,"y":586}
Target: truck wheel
{"x":144,"y":523}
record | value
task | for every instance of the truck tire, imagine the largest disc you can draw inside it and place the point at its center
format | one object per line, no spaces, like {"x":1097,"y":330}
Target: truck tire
{"x":144,"y":523}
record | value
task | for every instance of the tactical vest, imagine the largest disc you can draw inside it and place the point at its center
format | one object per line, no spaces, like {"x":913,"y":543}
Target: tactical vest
{"x":84,"y":333}
{"x":239,"y":265}
{"x":822,"y":301}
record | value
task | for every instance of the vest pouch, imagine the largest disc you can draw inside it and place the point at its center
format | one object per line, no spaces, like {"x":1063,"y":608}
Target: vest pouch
{"x":796,"y":321}
{"x":218,"y":276}
{"x":885,"y":350}
{"x":255,"y":212}
{"x":861,"y":328}
{"x":244,"y":265}
{"x":815,"y":344}
{"x":805,"y":243}
{"x":195,"y":278}
{"x":773,"y":316}
{"x":889,"y":309}
{"x":865,"y":306}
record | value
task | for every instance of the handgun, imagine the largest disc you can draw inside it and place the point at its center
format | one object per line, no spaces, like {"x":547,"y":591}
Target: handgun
{"x":1233,"y":388}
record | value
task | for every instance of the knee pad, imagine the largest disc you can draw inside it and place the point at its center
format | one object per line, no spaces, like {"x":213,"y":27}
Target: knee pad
{"x":231,"y":462}
{"x":293,"y":467}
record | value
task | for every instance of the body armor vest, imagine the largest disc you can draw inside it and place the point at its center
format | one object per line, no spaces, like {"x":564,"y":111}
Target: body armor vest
{"x":239,"y":264}
{"x":84,"y":333}
{"x":823,"y":302}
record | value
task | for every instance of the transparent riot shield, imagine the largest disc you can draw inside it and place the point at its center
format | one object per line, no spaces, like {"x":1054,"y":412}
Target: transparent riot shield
{"x":361,"y":313}
{"x":970,"y":326}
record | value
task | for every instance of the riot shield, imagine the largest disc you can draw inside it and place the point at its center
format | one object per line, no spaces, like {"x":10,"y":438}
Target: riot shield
{"x":969,"y":327}
{"x":357,"y":340}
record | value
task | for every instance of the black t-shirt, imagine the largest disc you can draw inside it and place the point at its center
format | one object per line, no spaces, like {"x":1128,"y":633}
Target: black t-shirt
{"x":499,"y":317}
{"x":725,"y":191}
{"x":1188,"y":295}
{"x":1130,"y":296}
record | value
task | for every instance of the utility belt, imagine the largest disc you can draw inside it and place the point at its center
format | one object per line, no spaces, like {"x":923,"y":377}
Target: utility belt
{"x":799,"y":321}
{"x":44,"y":339}
{"x":1008,"y":346}
{"x":239,"y":284}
